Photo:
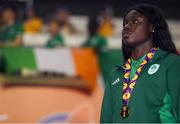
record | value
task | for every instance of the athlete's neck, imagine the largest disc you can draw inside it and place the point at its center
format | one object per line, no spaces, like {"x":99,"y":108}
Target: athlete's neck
{"x":141,"y":49}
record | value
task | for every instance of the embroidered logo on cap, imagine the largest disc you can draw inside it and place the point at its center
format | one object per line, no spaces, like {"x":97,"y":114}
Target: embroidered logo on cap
{"x":153,"y":69}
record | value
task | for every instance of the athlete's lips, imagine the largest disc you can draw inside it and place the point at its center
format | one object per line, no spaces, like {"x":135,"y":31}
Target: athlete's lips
{"x":126,"y":34}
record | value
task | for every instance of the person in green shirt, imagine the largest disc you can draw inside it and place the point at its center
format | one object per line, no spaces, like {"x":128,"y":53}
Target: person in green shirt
{"x":146,"y":88}
{"x":56,"y":38}
{"x":11,"y":31}
{"x":95,"y":40}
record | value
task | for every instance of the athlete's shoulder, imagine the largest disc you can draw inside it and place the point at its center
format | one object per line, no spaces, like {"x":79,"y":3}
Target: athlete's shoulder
{"x":172,"y":59}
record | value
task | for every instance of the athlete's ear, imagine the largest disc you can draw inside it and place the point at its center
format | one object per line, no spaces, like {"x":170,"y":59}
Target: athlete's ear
{"x":152,"y":29}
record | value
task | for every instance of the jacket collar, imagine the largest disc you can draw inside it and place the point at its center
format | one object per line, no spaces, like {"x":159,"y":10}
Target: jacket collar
{"x":159,"y":54}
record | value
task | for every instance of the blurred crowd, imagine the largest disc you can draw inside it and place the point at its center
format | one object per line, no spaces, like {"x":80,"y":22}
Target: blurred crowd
{"x":99,"y":27}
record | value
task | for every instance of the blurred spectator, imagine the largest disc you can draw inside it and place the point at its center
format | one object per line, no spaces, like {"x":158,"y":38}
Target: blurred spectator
{"x":56,"y":38}
{"x":62,"y":16}
{"x":33,"y":23}
{"x":11,"y":31}
{"x":95,"y":40}
{"x":106,"y":25}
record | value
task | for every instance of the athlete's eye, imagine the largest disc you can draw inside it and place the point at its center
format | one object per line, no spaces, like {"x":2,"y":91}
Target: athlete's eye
{"x":135,"y":21}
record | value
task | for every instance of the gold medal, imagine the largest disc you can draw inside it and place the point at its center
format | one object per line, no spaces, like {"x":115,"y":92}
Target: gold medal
{"x":125,"y":111}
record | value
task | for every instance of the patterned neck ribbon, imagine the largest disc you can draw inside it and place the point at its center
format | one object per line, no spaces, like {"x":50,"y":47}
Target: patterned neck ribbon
{"x":128,"y":85}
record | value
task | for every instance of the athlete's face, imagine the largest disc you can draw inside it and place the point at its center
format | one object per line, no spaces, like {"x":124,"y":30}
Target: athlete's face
{"x":136,"y":29}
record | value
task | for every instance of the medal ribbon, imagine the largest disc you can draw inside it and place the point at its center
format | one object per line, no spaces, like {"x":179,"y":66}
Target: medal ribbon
{"x":128,"y":87}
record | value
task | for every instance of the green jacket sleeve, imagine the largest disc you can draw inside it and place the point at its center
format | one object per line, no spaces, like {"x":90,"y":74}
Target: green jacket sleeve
{"x":106,"y":109}
{"x":173,"y":78}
